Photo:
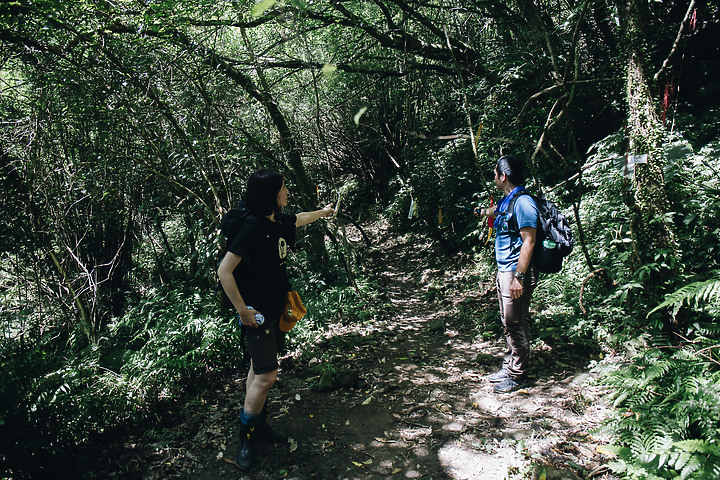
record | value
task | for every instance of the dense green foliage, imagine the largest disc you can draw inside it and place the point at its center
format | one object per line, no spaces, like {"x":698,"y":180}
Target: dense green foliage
{"x":128,"y":128}
{"x":668,"y":406}
{"x":668,"y":398}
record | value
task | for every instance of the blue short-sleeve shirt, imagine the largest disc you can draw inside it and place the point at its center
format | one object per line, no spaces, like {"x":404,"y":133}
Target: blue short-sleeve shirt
{"x":507,"y":240}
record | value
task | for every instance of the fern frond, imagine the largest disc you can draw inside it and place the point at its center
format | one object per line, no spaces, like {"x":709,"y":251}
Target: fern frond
{"x":711,"y":329}
{"x":690,"y":467}
{"x":711,"y":471}
{"x":698,"y":446}
{"x":707,"y":291}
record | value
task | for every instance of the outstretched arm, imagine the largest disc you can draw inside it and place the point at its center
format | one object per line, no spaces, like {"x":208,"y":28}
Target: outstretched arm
{"x":303,"y":218}
{"x":484,"y":212}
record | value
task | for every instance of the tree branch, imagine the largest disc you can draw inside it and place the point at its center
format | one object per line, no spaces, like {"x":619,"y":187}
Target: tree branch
{"x":674,"y":48}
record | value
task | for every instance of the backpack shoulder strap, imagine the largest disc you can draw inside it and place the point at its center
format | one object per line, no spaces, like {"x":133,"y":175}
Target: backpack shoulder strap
{"x":511,"y":208}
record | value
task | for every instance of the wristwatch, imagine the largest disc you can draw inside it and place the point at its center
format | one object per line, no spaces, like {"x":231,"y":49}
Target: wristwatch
{"x":519,"y":275}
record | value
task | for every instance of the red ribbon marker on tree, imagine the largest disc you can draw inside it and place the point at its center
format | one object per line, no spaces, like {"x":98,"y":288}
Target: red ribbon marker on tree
{"x":491,"y":223}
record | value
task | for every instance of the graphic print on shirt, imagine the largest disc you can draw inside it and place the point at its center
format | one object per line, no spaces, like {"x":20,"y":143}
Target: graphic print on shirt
{"x":282,"y":248}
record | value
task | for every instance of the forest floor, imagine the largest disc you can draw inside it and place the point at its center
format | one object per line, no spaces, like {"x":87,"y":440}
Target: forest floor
{"x":415,"y":404}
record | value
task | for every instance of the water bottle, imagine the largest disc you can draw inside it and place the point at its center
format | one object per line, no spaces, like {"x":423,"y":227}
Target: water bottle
{"x":549,"y":244}
{"x":259,"y":317}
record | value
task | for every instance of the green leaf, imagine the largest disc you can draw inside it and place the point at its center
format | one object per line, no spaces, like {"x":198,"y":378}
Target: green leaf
{"x":260,"y":8}
{"x":359,"y":114}
{"x":328,"y":69}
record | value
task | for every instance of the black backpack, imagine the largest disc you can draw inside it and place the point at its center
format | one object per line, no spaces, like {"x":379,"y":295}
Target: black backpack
{"x":553,"y":240}
{"x":231,"y":221}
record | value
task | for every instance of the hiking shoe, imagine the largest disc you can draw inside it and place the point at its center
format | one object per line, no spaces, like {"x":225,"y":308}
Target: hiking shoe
{"x":509,"y":385}
{"x":498,"y":376}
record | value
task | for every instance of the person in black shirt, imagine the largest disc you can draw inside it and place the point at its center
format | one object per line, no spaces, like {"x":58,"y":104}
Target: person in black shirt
{"x":253,"y":272}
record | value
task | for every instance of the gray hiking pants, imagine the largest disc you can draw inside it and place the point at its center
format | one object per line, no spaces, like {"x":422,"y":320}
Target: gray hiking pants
{"x":513,"y":314}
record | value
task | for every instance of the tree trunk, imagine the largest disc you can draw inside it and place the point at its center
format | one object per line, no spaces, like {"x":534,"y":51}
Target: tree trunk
{"x":652,"y":230}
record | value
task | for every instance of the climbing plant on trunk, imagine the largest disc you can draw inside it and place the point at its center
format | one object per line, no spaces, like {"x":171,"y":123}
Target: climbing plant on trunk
{"x":653,"y":231}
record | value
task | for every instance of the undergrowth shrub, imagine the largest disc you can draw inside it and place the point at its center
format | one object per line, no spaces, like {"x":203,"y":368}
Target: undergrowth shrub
{"x":177,"y":342}
{"x":667,"y":418}
{"x":330,"y":297}
{"x":165,"y":348}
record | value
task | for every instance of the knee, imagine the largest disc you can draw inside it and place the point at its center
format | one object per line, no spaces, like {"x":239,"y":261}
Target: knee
{"x":266,"y":380}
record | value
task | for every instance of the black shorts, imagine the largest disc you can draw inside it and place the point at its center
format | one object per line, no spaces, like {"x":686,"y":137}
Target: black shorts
{"x":264,"y":343}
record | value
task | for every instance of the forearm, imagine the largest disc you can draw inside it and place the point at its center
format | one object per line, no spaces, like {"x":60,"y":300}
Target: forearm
{"x":231,"y":290}
{"x":485,"y":212}
{"x":303,"y":218}
{"x":525,"y":255}
{"x":528,"y":237}
{"x":225,"y":273}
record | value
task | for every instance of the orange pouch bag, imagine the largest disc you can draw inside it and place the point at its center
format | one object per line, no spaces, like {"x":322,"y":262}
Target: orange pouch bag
{"x":294,"y":311}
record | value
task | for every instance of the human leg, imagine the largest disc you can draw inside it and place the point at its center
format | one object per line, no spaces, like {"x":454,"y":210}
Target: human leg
{"x":257,"y":390}
{"x":262,"y":376}
{"x":513,"y":314}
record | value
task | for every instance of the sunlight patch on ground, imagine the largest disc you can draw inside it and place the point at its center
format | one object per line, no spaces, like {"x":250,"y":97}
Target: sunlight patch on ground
{"x":462,"y":463}
{"x":488,"y":404}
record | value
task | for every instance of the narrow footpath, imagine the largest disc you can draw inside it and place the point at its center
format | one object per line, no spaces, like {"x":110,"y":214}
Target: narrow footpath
{"x":407,"y":400}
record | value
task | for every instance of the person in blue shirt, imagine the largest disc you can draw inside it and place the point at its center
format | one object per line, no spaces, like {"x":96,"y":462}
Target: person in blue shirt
{"x":515,"y":230}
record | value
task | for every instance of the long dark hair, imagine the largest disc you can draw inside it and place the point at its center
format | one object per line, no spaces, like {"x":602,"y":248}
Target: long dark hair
{"x":261,"y":192}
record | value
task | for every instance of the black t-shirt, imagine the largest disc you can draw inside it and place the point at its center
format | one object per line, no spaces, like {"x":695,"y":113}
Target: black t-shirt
{"x":261,"y":275}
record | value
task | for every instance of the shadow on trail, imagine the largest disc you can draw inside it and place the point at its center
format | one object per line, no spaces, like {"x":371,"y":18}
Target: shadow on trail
{"x":422,"y":408}
{"x":419,"y":408}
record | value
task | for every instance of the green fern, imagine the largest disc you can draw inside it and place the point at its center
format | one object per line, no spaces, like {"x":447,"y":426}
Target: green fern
{"x":694,"y":294}
{"x":666,"y":425}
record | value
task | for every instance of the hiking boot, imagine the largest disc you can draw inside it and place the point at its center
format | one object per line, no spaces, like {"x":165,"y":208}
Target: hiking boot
{"x":265,"y":432}
{"x":509,"y":385}
{"x":498,"y":376}
{"x":246,"y":453}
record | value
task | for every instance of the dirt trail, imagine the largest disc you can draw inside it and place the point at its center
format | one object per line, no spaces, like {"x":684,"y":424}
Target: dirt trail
{"x":421,"y":408}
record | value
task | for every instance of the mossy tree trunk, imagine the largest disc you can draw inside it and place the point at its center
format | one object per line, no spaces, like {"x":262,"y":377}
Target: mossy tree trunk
{"x":652,"y":229}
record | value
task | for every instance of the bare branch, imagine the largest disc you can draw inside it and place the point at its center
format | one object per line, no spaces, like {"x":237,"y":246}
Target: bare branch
{"x":674,"y":48}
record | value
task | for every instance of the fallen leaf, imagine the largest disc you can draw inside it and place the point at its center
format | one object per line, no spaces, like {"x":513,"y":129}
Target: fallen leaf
{"x":357,"y":464}
{"x":603,"y":449}
{"x":367,"y":400}
{"x":293,"y":445}
{"x":396,"y":470}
